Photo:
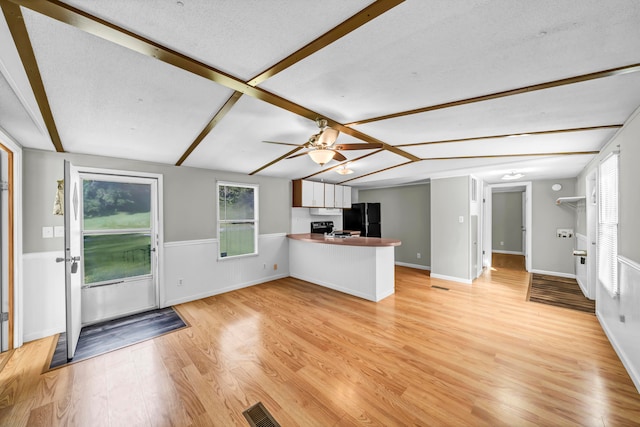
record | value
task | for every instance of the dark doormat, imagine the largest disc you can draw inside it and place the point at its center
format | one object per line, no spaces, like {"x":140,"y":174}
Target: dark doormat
{"x":559,"y":291}
{"x":114,"y":334}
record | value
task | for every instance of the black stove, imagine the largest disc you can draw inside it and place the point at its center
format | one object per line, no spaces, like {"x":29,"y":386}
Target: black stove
{"x":322,"y":227}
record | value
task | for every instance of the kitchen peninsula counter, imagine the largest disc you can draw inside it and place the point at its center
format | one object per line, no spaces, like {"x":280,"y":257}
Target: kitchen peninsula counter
{"x":359,"y":266}
{"x":348,"y":241}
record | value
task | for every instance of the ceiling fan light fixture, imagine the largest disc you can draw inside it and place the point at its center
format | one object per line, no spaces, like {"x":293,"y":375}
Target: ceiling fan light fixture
{"x":344,"y":170}
{"x":321,"y":156}
{"x":327,"y":137}
{"x":513,"y":175}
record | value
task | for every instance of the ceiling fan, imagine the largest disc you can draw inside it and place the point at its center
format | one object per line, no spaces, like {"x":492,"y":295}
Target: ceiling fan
{"x":321,"y":145}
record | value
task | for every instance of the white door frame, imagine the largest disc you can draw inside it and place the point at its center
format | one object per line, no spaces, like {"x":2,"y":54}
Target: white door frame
{"x":488,"y":244}
{"x":591,"y":213}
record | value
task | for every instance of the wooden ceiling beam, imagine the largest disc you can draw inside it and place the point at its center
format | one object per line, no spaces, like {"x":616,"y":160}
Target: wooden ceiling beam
{"x":510,"y":135}
{"x":356,"y":21}
{"x":15,"y":21}
{"x":489,"y":156}
{"x":526,"y":89}
{"x":108,"y":31}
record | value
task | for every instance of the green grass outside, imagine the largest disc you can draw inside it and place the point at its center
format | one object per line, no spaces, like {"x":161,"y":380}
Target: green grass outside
{"x":237,"y":239}
{"x":118,"y":221}
{"x":116,"y":256}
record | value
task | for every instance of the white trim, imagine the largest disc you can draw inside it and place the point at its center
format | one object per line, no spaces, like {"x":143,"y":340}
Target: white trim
{"x":451,"y":278}
{"x":190,"y":242}
{"x":507,"y":252}
{"x":417,"y":266}
{"x":628,"y":364}
{"x":41,"y":334}
{"x":554,"y":273}
{"x":211,"y":241}
{"x":629,"y":262}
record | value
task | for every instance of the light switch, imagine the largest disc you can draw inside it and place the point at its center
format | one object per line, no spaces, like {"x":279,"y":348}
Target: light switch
{"x":460,"y":219}
{"x":58,"y":231}
{"x":47,"y":232}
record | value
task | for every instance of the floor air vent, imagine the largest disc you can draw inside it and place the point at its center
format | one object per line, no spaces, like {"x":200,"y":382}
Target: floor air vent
{"x":258,"y":416}
{"x":440,"y":287}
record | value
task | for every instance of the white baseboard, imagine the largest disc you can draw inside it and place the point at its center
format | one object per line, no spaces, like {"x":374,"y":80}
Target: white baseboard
{"x":507,"y":252}
{"x":451,"y":278}
{"x":629,"y":366}
{"x":41,"y":334}
{"x":554,"y":273}
{"x":417,"y":266}
{"x":223,"y":290}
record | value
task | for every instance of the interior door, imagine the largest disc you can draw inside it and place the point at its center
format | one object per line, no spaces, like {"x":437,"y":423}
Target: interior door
{"x":73,"y":247}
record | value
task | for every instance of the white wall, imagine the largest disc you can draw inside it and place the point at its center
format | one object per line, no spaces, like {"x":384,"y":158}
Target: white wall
{"x":620,"y":316}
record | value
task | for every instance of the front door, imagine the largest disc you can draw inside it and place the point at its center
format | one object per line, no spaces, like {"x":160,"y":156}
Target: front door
{"x":119,"y":245}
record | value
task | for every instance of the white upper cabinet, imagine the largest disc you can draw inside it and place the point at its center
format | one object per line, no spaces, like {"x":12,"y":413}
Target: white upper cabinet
{"x":346,"y":197}
{"x":311,"y":194}
{"x":339,"y":195}
{"x":329,"y":196}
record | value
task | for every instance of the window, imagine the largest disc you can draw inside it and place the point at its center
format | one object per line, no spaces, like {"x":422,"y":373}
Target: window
{"x":237,"y":219}
{"x":608,"y":225}
{"x":116,"y":228}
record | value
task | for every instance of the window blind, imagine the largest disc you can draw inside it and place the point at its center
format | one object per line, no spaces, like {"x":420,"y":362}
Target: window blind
{"x":608,"y":225}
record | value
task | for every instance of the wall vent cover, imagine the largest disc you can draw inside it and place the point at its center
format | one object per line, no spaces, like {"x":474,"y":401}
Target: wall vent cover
{"x":440,"y":287}
{"x":258,"y":416}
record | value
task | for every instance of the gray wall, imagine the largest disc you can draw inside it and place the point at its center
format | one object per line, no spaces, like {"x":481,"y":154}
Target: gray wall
{"x":406,"y":213}
{"x":189,"y":197}
{"x":450,"y":239}
{"x":550,"y":253}
{"x":506,"y":221}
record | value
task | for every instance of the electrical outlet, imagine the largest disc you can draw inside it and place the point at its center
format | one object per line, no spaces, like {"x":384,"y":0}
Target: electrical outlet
{"x":564,"y":233}
{"x":180,"y":282}
{"x":264,"y":266}
{"x":418,"y":255}
{"x":275,"y":267}
{"x":501,"y":243}
{"x":58,"y":231}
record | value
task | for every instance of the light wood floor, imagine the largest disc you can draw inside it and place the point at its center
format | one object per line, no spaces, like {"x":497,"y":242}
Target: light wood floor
{"x":471,"y":355}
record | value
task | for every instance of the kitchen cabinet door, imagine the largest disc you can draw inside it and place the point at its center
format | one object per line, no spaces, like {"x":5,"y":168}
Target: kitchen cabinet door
{"x":329,"y":195}
{"x":311,"y":194}
{"x":346,"y":197}
{"x":338,"y":201}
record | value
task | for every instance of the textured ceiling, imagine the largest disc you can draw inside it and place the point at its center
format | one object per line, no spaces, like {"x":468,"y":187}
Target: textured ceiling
{"x":157,"y":81}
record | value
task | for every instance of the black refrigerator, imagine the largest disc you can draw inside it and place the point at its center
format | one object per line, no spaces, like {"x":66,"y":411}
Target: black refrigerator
{"x":364,"y":217}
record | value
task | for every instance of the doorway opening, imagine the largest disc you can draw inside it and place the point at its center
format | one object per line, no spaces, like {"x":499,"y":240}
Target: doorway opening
{"x":507,"y":225}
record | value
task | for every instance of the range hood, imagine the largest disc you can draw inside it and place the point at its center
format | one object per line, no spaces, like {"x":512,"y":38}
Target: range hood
{"x":325,"y":211}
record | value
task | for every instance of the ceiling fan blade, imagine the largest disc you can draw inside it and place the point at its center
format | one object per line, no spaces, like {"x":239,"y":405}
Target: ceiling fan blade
{"x":284,"y":143}
{"x":370,"y":146}
{"x":297,"y":155}
{"x":338,"y":156}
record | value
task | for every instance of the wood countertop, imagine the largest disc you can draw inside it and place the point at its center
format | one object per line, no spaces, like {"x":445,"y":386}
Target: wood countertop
{"x":346,"y":241}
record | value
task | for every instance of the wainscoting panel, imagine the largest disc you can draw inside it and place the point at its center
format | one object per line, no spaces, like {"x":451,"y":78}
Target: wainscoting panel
{"x":43,"y":298}
{"x":194,"y":262}
{"x":192,"y":270}
{"x":619,"y":319}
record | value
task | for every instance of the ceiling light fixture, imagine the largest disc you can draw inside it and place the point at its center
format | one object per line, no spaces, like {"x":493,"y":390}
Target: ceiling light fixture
{"x":513,"y":175}
{"x":344,"y":170}
{"x":321,"y":156}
